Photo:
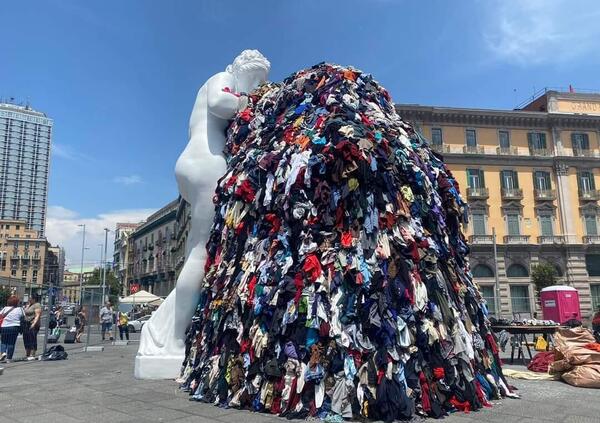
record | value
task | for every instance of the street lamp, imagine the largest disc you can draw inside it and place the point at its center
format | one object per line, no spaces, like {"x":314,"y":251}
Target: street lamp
{"x":106,"y":231}
{"x":81,"y":270}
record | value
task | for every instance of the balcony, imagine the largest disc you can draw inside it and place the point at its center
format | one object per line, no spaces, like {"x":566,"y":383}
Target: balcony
{"x":540,"y":152}
{"x":441,"y":148}
{"x":589,"y":195}
{"x":481,"y":239}
{"x":512,"y":194}
{"x":591,"y":239}
{"x":516,"y":239}
{"x":507,"y":151}
{"x":544,"y":194}
{"x":473,"y":149}
{"x":581,"y":152}
{"x":478,"y":193}
{"x":551,"y":239}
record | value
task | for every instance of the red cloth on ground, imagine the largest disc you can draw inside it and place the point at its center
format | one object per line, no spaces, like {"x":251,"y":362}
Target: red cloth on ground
{"x":541,"y":361}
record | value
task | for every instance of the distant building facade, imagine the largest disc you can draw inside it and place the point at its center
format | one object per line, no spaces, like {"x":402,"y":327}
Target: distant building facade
{"x":25,"y":137}
{"x":70,"y":286}
{"x":183,"y":220}
{"x":121,"y":253}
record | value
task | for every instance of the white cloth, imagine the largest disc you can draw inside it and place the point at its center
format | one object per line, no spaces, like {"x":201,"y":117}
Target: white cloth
{"x":12,"y":317}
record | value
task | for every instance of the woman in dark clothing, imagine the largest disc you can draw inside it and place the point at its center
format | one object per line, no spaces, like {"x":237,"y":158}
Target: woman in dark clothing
{"x":33,"y":315}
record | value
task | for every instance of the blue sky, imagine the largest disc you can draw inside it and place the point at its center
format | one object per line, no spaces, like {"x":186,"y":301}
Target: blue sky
{"x":120,"y":78}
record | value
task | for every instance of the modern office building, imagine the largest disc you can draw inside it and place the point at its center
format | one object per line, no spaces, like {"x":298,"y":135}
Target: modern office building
{"x":25,"y":136}
{"x":529,"y":174}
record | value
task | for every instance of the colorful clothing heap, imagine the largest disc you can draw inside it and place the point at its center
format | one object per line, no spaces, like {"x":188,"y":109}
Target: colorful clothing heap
{"x":337,"y":283}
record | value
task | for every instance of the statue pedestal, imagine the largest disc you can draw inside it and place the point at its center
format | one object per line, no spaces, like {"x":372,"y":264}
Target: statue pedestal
{"x":157,"y":367}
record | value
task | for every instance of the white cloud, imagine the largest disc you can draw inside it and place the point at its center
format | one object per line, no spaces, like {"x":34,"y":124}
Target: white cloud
{"x":541,"y":31}
{"x":62,"y":229}
{"x":128,"y":180}
{"x":65,"y":152}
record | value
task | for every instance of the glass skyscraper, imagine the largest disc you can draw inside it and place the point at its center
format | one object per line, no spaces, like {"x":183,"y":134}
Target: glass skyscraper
{"x":25,"y":136}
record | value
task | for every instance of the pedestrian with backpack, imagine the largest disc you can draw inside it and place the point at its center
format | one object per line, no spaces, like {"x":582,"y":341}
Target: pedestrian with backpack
{"x":11,"y":317}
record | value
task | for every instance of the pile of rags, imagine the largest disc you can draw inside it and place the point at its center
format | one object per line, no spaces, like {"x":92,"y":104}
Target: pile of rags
{"x":337,"y":283}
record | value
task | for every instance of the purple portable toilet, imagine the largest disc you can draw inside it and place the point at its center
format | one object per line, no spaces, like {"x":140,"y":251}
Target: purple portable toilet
{"x":560,"y":303}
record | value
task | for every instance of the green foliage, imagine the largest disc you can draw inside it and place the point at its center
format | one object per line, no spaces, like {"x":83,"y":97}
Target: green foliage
{"x":4,"y":294}
{"x":543,"y":275}
{"x":113,"y":285}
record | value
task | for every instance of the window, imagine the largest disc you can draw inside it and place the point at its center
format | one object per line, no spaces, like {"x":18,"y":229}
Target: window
{"x":479,"y":227}
{"x":595,"y":292}
{"x":475,"y":178}
{"x":580,"y":141}
{"x":541,"y":180}
{"x":13,"y":273}
{"x":503,"y":139}
{"x":591,"y":227}
{"x":546,"y":225}
{"x":471,"y":138}
{"x":482,"y":271}
{"x":509,"y":179}
{"x":24,"y":273}
{"x":519,"y":298}
{"x":517,"y":271}
{"x":537,"y":140}
{"x":436,"y":136}
{"x":592,"y":264}
{"x":17,"y":227}
{"x":512,"y":222}
{"x":586,"y":181}
{"x":488,"y":294}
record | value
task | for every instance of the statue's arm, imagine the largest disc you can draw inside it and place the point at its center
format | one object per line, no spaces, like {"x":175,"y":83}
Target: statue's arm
{"x":222,"y":104}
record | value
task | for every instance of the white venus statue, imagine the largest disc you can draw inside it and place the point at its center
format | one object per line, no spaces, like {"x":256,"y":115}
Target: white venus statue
{"x":198,"y":169}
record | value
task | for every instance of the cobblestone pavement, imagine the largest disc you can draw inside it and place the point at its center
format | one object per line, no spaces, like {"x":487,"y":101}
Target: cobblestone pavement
{"x":99,"y":387}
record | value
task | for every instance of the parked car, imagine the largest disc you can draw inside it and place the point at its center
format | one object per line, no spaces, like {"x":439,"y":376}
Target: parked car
{"x":136,"y":325}
{"x":69,"y":310}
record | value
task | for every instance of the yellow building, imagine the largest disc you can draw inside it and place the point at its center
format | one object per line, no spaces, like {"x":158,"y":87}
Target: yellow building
{"x":22,"y":256}
{"x":529,"y":174}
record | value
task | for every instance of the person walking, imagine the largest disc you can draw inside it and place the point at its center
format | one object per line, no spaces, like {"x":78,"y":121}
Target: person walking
{"x":9,"y":328}
{"x":123,"y":325}
{"x":106,"y":319}
{"x":80,"y":322}
{"x":33,"y":315}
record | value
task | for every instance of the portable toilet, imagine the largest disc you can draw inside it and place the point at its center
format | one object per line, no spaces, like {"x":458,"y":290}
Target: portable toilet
{"x":560,"y":303}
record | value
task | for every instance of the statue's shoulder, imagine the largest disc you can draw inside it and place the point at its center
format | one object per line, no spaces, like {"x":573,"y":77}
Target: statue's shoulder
{"x":221,"y":78}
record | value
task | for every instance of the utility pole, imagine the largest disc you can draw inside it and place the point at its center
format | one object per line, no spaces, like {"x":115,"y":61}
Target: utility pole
{"x":106,"y":230}
{"x":82,"y":253}
{"x":497,"y":287}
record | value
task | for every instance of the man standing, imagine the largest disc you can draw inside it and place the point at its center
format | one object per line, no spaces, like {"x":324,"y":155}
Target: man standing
{"x":106,"y":319}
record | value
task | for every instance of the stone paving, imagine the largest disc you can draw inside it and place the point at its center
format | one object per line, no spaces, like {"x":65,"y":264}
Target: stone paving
{"x":99,"y":387}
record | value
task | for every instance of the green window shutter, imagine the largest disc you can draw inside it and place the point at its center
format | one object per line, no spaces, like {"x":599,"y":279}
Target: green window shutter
{"x":515,"y":178}
{"x":579,"y":175}
{"x":542,"y":140}
{"x":530,"y":140}
{"x":479,"y":224}
{"x":481,"y":179}
{"x":513,"y":224}
{"x":575,"y":141}
{"x":546,"y":225}
{"x":502,"y":179}
{"x":591,"y":227}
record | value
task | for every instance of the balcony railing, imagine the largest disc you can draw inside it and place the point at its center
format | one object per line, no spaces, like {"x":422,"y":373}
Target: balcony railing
{"x":473,"y":149}
{"x":481,"y":239}
{"x":544,"y":152}
{"x":516,"y":239}
{"x":507,"y":151}
{"x":512,"y":193}
{"x":591,"y":239}
{"x":589,"y":195}
{"x":545,"y":194}
{"x":478,"y":193}
{"x":551,"y":239}
{"x":580,"y":152}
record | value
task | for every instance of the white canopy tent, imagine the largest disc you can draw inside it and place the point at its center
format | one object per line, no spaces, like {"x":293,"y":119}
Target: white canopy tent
{"x":140,"y":297}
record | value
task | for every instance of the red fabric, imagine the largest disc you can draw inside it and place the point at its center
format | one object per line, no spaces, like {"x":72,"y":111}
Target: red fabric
{"x":482,"y":399}
{"x":492,"y":342}
{"x":312,"y":266}
{"x":251,"y":287}
{"x":541,"y":361}
{"x":593,"y":346}
{"x":246,"y":115}
{"x":299,"y":285}
{"x":438,"y":373}
{"x":346,"y":240}
{"x":245,"y":191}
{"x":462,"y":406}
{"x":274,"y":221}
{"x":596,"y":319}
{"x":425,"y":400}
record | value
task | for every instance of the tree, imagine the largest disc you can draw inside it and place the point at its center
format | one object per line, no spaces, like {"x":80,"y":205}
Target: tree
{"x":543,"y":275}
{"x":4,"y":294}
{"x":113,"y":286}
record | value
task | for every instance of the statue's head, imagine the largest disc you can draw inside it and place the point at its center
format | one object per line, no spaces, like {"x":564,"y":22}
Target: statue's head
{"x":250,"y":68}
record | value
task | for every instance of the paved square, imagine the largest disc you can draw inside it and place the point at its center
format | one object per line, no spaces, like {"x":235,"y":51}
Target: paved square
{"x":99,"y":387}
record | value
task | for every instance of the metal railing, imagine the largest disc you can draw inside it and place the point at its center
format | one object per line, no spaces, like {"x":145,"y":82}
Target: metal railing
{"x":551,"y":239}
{"x":478,"y":192}
{"x":507,"y":151}
{"x":543,"y":152}
{"x":516,"y":239}
{"x":589,"y":195}
{"x":481,"y":239}
{"x":512,"y":193}
{"x":544,"y":194}
{"x":591,"y":239}
{"x":473,"y":149}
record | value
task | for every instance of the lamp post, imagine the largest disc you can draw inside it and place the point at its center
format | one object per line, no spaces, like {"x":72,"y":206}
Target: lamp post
{"x":81,"y":270}
{"x":106,"y":230}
